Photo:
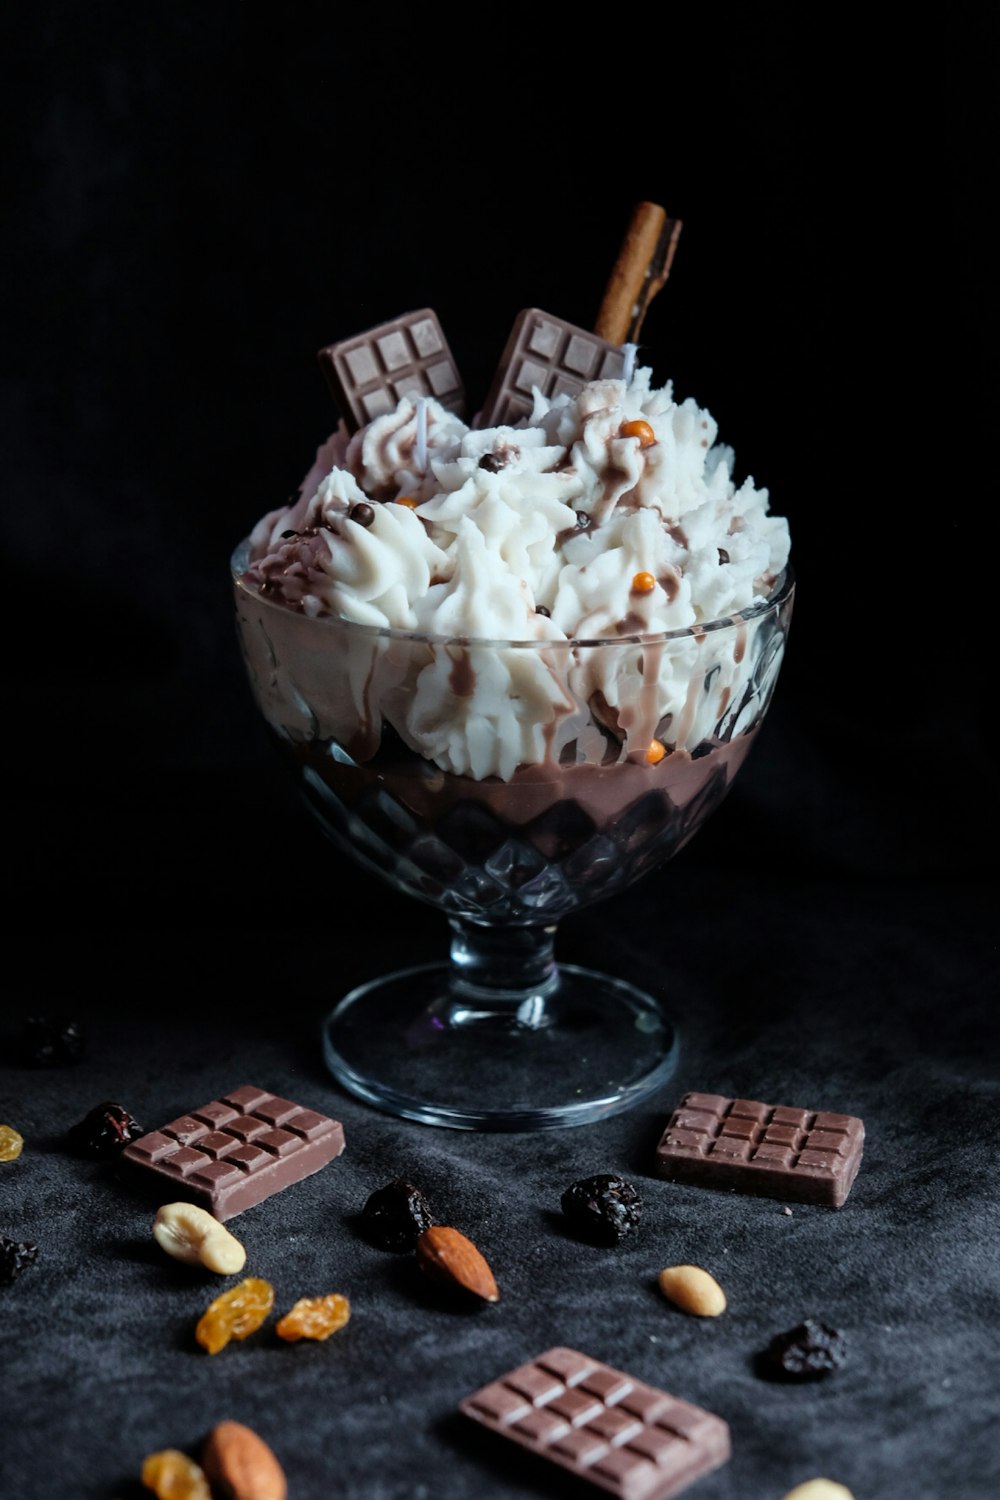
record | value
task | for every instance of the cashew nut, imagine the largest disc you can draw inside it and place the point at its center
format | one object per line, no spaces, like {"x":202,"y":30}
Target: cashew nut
{"x":191,"y":1234}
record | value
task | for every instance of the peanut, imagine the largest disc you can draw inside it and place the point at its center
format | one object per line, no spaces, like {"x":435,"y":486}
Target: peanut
{"x":693,"y":1290}
{"x":191,"y":1234}
{"x":819,"y":1489}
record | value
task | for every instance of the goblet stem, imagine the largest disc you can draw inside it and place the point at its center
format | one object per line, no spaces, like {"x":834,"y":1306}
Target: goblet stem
{"x":501,"y":974}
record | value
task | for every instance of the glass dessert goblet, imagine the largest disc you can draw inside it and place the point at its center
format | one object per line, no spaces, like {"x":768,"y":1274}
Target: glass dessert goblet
{"x":507,"y":784}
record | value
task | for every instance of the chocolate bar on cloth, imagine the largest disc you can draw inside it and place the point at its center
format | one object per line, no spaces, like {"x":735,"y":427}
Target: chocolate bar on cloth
{"x":233,"y":1152}
{"x":772,"y":1151}
{"x":407,"y":356}
{"x":627,"y":1438}
{"x":556,"y":356}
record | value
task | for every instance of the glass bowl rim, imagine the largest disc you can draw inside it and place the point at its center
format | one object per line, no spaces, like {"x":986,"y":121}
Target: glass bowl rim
{"x":781,"y":591}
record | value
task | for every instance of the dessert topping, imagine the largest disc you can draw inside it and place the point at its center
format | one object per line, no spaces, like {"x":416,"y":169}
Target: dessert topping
{"x":641,"y":430}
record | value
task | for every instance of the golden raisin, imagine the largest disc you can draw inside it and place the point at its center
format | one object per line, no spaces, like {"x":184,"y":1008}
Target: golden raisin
{"x":640,"y":430}
{"x":314,"y":1318}
{"x":643,"y":583}
{"x":235,"y":1314}
{"x":657,"y":750}
{"x":171,"y":1475}
{"x":11,"y":1144}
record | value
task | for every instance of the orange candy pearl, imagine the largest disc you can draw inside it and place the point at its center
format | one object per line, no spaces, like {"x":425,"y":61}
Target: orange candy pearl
{"x":643,"y":583}
{"x":408,"y":501}
{"x":657,"y":750}
{"x":640,"y":430}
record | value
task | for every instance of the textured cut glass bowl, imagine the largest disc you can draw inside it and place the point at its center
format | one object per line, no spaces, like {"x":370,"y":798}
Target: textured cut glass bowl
{"x":498,"y":1035}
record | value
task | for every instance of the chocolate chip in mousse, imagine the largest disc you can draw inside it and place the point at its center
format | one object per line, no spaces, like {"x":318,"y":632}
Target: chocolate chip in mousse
{"x":498,"y":458}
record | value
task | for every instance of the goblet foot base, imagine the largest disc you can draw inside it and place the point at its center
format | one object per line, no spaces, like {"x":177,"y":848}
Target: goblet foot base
{"x":587,"y":1047}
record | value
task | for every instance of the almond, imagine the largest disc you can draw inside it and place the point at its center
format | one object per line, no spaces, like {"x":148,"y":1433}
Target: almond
{"x":454,"y":1262}
{"x":241,"y":1466}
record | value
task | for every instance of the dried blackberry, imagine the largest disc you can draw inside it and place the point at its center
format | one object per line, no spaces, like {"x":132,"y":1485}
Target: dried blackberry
{"x":806,"y":1352}
{"x":395,"y":1215}
{"x":49,"y":1043}
{"x":14,"y":1256}
{"x":605,"y":1208}
{"x":103,"y":1131}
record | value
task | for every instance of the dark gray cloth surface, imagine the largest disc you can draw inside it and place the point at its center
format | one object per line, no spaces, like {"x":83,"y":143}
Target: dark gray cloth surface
{"x":877,"y":999}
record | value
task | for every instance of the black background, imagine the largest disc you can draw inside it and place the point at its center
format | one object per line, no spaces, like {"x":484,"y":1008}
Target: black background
{"x":196,"y":198}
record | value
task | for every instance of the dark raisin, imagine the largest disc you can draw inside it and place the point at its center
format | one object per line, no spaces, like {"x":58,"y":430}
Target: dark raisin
{"x":47,"y":1043}
{"x":14,"y":1256}
{"x":395,"y":1215}
{"x":543,"y":609}
{"x":491,"y":463}
{"x":605,"y":1208}
{"x":583,"y":520}
{"x":723,"y":555}
{"x":807,"y":1352}
{"x":104,"y":1130}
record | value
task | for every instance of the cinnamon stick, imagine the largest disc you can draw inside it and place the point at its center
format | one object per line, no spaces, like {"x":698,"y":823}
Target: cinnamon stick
{"x":641,"y":269}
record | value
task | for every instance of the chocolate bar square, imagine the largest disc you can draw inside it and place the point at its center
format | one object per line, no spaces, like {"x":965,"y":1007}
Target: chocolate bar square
{"x":407,"y":356}
{"x":624,"y":1436}
{"x":549,"y":353}
{"x":233,"y":1152}
{"x":771,"y":1151}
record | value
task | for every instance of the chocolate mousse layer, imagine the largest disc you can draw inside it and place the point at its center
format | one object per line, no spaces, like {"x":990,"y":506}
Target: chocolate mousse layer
{"x":550,"y":840}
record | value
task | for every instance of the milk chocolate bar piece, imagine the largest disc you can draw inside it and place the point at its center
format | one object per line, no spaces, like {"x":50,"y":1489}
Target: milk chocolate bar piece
{"x":233,"y":1152}
{"x":556,"y":356}
{"x":624,"y":1436}
{"x":408,"y":356}
{"x":770,"y":1150}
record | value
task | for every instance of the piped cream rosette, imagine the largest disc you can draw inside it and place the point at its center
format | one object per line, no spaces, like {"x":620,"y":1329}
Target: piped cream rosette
{"x":506,"y":555}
